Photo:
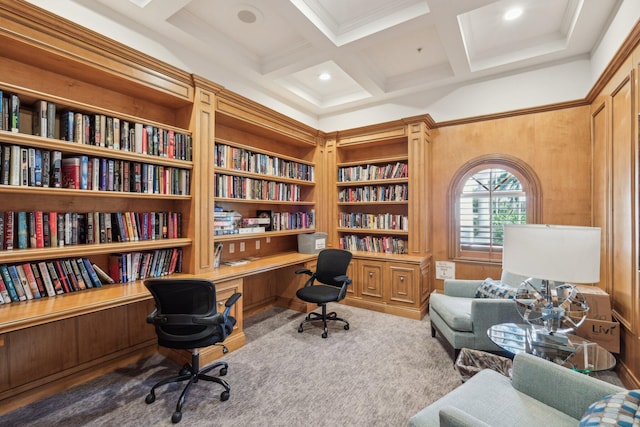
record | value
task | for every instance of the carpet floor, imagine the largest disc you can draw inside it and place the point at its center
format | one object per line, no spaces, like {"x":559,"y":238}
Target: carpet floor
{"x":379,"y":373}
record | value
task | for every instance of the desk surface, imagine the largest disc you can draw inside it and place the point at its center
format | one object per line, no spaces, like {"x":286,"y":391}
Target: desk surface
{"x":578,"y":353}
{"x":25,"y":314}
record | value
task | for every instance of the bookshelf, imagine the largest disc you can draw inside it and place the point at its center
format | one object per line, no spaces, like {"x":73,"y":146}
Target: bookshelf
{"x":380,"y":200}
{"x":77,"y":74}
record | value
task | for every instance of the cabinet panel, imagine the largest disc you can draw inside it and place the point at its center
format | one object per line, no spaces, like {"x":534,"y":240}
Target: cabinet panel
{"x":371,"y":279}
{"x":101,"y":333}
{"x":37,"y":352}
{"x":404,"y":280}
{"x":139,"y":330}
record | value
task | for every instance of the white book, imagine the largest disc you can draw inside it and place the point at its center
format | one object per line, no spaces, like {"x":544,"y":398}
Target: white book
{"x":14,"y":166}
{"x":137,"y":147}
{"x":46,"y":279}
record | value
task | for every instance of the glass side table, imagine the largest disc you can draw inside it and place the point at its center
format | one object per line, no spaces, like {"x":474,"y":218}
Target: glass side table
{"x":571,"y":351}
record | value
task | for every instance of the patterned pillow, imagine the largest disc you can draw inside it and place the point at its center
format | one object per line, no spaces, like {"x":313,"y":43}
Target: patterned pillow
{"x":620,"y":409}
{"x":494,"y":289}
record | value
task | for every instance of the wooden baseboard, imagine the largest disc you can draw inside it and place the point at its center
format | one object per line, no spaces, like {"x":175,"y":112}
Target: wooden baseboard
{"x":408,"y":312}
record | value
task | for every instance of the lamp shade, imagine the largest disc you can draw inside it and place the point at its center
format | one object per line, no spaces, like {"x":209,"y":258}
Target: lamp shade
{"x":561,"y":253}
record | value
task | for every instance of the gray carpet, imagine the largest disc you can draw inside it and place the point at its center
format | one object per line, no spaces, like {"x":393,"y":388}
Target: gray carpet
{"x":379,"y":373}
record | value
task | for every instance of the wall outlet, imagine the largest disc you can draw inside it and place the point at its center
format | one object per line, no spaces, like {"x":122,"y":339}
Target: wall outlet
{"x":241,"y":246}
{"x":232,"y":248}
{"x":258,"y":245}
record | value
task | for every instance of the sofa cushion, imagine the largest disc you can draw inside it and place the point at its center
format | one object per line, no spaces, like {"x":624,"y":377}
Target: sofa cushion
{"x":494,"y":289}
{"x":455,"y":311}
{"x":620,"y":409}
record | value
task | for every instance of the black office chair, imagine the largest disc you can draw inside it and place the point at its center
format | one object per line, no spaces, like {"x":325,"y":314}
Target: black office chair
{"x":185,"y":317}
{"x":331,"y":273}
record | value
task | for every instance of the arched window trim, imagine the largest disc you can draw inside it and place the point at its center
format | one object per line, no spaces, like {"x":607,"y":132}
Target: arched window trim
{"x":531,"y":185}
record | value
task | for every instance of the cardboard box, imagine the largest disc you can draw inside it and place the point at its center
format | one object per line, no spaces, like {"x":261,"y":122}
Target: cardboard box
{"x":605,"y":333}
{"x":598,"y":301}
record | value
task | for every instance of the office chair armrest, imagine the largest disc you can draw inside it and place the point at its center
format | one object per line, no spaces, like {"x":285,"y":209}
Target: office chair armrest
{"x":342,"y":278}
{"x":151,"y":316}
{"x":304,"y":271}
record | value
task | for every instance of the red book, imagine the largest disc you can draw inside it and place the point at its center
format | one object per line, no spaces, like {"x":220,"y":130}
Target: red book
{"x":39,"y":229}
{"x":39,"y":281}
{"x":71,"y":173}
{"x":62,"y":277}
{"x":53,"y":229}
{"x":31,"y":280}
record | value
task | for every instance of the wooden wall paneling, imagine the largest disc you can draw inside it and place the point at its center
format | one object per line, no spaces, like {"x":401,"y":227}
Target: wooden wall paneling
{"x":260,"y":292}
{"x":4,"y":363}
{"x":328,"y":195}
{"x":622,"y":230}
{"x":419,"y":188}
{"x":201,"y":219}
{"x":601,"y":187}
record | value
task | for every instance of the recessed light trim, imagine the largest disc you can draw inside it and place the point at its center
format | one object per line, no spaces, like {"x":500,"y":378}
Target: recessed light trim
{"x":247,"y":16}
{"x":513,"y":13}
{"x":324,"y":76}
{"x":140,"y":3}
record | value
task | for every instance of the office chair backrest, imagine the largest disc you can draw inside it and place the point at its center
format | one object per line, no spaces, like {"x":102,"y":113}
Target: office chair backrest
{"x":180,"y":303}
{"x":332,"y":263}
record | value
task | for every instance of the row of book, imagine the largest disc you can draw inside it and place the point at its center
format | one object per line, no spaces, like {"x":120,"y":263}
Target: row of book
{"x":240,"y":187}
{"x":225,"y":222}
{"x":34,"y":167}
{"x":240,"y":159}
{"x":98,"y":130}
{"x":132,"y":266}
{"x":373,"y":172}
{"x":34,"y":280}
{"x":40,"y":229}
{"x":383,"y":221}
{"x":376,"y":244}
{"x":375,"y":193}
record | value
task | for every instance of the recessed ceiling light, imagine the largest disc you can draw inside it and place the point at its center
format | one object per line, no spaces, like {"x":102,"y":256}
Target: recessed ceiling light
{"x":513,"y":13}
{"x":247,"y":16}
{"x":140,"y":3}
{"x":324,"y":76}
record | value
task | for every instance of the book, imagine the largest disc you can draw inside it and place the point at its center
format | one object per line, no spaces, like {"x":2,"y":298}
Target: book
{"x":9,"y":218}
{"x":71,"y":275}
{"x":51,"y":120}
{"x":14,"y":114}
{"x":46,"y":168}
{"x":6,"y":165}
{"x":15,"y":166}
{"x":57,"y":285}
{"x":8,"y":282}
{"x":56,"y":169}
{"x":102,"y":275}
{"x":62,"y":276}
{"x":22,"y":229}
{"x":71,"y":173}
{"x":37,"y":277}
{"x":17,"y":283}
{"x":46,"y":278}
{"x":25,"y":271}
{"x":92,"y":273}
{"x":72,"y":265}
{"x":4,"y":292}
{"x":67,"y":126}
{"x":84,"y":172}
{"x":40,"y":118}
{"x":85,"y":274}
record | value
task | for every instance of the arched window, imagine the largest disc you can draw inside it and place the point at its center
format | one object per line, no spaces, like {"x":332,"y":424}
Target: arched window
{"x":486,"y":194}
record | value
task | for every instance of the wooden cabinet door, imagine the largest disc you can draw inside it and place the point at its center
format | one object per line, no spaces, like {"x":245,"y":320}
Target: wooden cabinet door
{"x":353,"y":290}
{"x":371,"y":279}
{"x":224,"y":291}
{"x":403,"y":284}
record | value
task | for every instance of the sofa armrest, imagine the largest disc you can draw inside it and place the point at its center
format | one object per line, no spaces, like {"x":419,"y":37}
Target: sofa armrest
{"x":561,"y":388}
{"x":451,"y":416}
{"x":461,"y":288}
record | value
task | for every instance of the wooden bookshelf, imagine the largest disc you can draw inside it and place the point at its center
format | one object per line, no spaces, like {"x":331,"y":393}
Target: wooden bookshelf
{"x":381,"y":184}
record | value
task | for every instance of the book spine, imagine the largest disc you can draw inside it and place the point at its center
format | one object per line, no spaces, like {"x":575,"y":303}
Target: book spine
{"x":30,"y":279}
{"x":102,"y":275}
{"x":15,"y":113}
{"x":85,"y":274}
{"x":57,"y":285}
{"x":8,"y":281}
{"x":38,"y":278}
{"x":73,"y":265}
{"x":62,"y":277}
{"x":92,"y":273}
{"x":17,"y":283}
{"x":23,"y":233}
{"x":46,"y":278}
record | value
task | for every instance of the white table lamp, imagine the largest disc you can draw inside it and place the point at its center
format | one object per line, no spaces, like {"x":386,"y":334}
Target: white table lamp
{"x":560,"y":256}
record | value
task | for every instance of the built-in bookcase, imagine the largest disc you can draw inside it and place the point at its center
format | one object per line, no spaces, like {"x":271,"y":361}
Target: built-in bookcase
{"x":261,"y":172}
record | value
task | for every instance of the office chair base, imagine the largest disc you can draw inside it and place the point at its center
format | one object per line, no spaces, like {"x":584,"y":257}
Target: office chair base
{"x":314,"y":317}
{"x":192,"y":373}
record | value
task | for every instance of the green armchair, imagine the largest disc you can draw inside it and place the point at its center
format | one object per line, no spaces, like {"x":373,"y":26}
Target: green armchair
{"x":462,"y":320}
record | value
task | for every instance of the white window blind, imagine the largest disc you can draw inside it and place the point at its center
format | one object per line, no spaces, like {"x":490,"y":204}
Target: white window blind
{"x":489,"y":199}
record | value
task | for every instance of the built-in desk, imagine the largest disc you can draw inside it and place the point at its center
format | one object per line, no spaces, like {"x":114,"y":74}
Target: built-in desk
{"x":53,"y":343}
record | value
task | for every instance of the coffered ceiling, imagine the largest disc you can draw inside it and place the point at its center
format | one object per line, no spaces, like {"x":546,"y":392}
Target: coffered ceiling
{"x":375,"y":51}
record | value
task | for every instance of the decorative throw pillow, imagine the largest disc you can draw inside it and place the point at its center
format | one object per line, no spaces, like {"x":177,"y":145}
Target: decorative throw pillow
{"x":494,"y":289}
{"x":620,"y":409}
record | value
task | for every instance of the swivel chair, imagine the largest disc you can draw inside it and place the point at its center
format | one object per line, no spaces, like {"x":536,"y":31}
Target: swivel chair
{"x":331,"y":273}
{"x":185,"y":317}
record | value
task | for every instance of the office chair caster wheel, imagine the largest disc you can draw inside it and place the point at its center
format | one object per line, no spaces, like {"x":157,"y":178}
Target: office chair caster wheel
{"x":223,"y":372}
{"x":151,"y":397}
{"x":224,"y":396}
{"x":300,"y":329}
{"x":186,"y":369}
{"x":176,"y":417}
{"x":325,"y":334}
{"x":346,"y":327}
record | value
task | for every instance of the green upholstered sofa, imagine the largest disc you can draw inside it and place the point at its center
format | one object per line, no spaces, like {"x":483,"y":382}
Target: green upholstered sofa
{"x":540,"y":393}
